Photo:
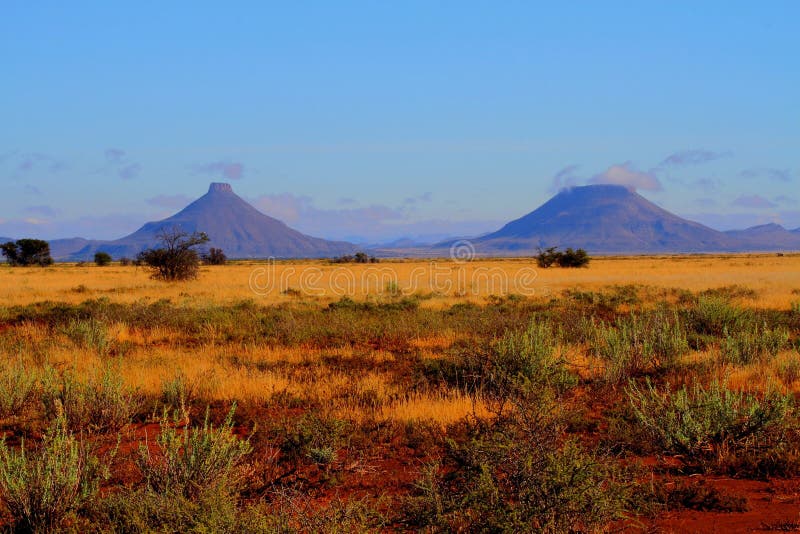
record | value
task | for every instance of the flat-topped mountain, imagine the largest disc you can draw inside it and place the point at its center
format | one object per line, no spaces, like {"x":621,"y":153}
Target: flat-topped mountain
{"x":611,"y":219}
{"x":232,"y":224}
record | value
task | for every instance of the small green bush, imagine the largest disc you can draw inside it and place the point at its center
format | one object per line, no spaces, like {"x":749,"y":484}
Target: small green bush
{"x":506,"y":483}
{"x":316,"y":437}
{"x":41,"y":488}
{"x":753,"y":342}
{"x":702,"y":423}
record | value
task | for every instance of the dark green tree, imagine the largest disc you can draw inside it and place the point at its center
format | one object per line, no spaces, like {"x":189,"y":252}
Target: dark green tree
{"x":177,"y":258}
{"x":214,"y":256}
{"x":102,"y":259}
{"x":25,"y":252}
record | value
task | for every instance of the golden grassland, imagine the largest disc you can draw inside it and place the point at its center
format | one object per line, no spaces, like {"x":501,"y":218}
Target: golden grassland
{"x":773,"y":277}
{"x":257,"y":373}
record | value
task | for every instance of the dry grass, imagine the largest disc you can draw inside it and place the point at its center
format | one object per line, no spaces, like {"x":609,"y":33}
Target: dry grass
{"x":259,"y":373}
{"x":442,"y":281}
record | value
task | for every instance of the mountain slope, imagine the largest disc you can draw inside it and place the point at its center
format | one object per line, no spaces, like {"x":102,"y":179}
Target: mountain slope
{"x":768,"y":237}
{"x":604,"y":219}
{"x":232,"y":225}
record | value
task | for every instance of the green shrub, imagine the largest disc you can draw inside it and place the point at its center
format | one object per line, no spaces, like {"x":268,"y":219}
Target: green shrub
{"x":17,"y":389}
{"x":702,"y":423}
{"x":637,"y":344}
{"x":789,"y":370}
{"x":144,"y":510}
{"x":190,"y":461}
{"x":316,"y":437}
{"x":753,"y":342}
{"x":41,"y":488}
{"x":530,"y":359}
{"x":714,"y":314}
{"x":506,"y":483}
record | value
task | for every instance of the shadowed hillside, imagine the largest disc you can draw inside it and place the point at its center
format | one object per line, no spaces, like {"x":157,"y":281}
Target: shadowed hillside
{"x":615,"y":219}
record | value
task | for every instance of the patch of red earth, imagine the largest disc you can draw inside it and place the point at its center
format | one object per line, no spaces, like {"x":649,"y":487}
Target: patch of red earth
{"x":771,"y":506}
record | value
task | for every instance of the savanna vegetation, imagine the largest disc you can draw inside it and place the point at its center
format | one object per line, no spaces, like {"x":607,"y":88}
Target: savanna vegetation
{"x":154,"y":408}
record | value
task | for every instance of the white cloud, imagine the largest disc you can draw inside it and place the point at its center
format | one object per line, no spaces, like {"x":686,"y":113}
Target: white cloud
{"x":625,"y":174}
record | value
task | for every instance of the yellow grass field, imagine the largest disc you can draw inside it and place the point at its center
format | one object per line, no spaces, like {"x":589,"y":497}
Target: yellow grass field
{"x":349,"y":377}
{"x":158,"y":354}
{"x":773,"y":277}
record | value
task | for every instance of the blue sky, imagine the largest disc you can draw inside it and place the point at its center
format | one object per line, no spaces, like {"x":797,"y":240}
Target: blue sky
{"x":375,"y":120}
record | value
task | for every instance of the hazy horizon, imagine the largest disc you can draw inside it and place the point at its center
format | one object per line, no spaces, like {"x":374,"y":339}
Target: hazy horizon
{"x":373,"y":122}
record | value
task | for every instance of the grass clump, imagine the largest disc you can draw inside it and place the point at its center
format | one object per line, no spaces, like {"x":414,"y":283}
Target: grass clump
{"x":42,"y":488}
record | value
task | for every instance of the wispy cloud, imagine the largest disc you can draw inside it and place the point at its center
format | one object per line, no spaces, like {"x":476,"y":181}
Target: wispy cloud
{"x":777,"y":175}
{"x":412,"y":201}
{"x":118,"y":162}
{"x":31,"y":163}
{"x":566,"y":177}
{"x":753,"y":201}
{"x":707,"y":185}
{"x":228,"y":170}
{"x":693,"y":156}
{"x":114,"y":155}
{"x":625,"y":174}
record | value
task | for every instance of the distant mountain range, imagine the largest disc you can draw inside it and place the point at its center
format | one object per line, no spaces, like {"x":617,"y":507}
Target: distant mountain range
{"x":231,"y":224}
{"x":612,"y":219}
{"x":603,"y":219}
